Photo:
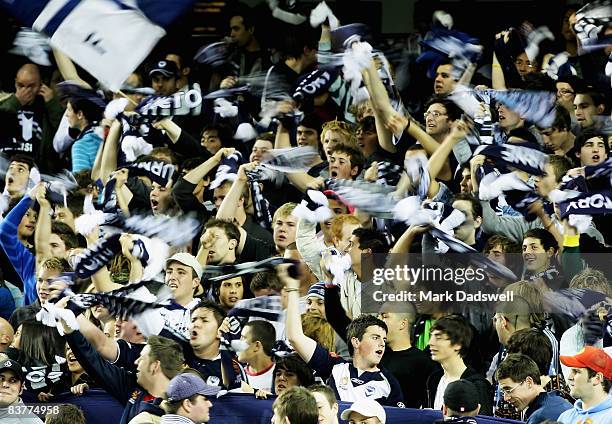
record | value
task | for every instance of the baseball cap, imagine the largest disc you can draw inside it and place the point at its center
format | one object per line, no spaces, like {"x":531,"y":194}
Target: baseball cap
{"x":185,"y":385}
{"x":461,"y":396}
{"x":317,"y":290}
{"x":590,"y":357}
{"x":368,"y":408}
{"x":186,"y":259}
{"x":165,"y":67}
{"x":10,"y":364}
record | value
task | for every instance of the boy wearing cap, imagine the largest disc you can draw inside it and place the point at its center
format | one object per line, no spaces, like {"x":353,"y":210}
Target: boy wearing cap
{"x":163,"y":77}
{"x":364,"y":410}
{"x":520,"y":384}
{"x":589,"y":382}
{"x":11,"y":386}
{"x":315,"y":299}
{"x":182,"y":275}
{"x":460,"y":401}
{"x":187,"y":400}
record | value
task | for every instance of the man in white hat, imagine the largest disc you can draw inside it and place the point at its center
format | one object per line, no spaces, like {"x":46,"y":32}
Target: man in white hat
{"x":182,"y":275}
{"x":362,"y":410}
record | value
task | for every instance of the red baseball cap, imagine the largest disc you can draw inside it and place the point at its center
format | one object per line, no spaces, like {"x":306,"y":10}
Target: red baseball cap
{"x":590,"y":357}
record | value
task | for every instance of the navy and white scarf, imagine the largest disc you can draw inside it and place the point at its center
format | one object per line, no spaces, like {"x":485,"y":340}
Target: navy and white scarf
{"x":374,"y":199}
{"x":523,"y":156}
{"x":267,"y":307}
{"x":97,"y":256}
{"x":290,"y":160}
{"x":442,"y":44}
{"x":388,"y":173}
{"x":261,"y":205}
{"x":591,"y":20}
{"x":187,"y":102}
{"x":536,"y":106}
{"x":225,"y":272}
{"x":158,"y":171}
{"x":122,"y":303}
{"x":596,"y":203}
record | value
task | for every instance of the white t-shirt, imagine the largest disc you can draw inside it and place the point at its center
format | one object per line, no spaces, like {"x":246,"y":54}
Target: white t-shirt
{"x":262,"y":380}
{"x":439,"y":400}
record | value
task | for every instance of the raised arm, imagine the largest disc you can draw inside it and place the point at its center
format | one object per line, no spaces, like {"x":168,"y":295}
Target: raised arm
{"x":440,"y":157}
{"x":106,"y":347}
{"x":402,"y":245}
{"x":199,"y":172}
{"x":498,"y":81}
{"x":304,"y":346}
{"x":227,"y":209}
{"x":67,"y":69}
{"x":101,"y":280}
{"x":19,"y":256}
{"x":108,"y":162}
{"x":43,"y":226}
{"x":282,"y":139}
{"x":136,"y":269}
{"x":381,"y":104}
{"x":303,"y":181}
{"x":124,"y":195}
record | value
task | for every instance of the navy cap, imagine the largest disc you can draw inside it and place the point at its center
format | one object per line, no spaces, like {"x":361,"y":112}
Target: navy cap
{"x":317,"y":290}
{"x":461,"y":396}
{"x":185,"y":385}
{"x":10,"y":364}
{"x":165,"y":67}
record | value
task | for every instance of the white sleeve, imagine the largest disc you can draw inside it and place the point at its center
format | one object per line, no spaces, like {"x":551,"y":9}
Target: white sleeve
{"x":61,"y":139}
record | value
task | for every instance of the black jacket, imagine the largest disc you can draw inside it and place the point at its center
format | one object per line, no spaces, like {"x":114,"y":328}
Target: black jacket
{"x":118,"y":382}
{"x":482,"y":385}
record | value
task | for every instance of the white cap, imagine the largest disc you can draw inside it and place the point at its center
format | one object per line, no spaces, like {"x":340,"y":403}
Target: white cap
{"x":186,"y":259}
{"x":368,"y":408}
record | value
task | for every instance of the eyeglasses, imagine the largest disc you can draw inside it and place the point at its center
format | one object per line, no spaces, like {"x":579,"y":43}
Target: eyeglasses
{"x":433,"y":113}
{"x":506,"y":392}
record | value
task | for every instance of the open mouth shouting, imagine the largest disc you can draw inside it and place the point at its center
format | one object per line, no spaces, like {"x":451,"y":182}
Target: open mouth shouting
{"x":194,"y":334}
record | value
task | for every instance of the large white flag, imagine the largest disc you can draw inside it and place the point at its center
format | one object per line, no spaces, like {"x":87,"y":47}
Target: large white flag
{"x":108,"y":38}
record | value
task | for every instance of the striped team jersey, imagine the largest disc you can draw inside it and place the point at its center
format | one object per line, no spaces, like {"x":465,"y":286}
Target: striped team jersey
{"x":352,"y":384}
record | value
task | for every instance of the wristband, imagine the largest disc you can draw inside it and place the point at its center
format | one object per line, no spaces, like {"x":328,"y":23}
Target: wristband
{"x":76,"y":309}
{"x":571,"y":241}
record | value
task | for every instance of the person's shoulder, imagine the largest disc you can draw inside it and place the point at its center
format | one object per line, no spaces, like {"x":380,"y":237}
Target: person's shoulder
{"x":146,"y":418}
{"x":474,"y":376}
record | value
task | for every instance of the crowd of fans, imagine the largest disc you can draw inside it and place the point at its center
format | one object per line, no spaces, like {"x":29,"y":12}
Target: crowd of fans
{"x":192,"y":253}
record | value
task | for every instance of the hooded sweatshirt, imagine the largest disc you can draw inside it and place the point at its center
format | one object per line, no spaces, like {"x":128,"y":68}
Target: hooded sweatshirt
{"x":598,"y":414}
